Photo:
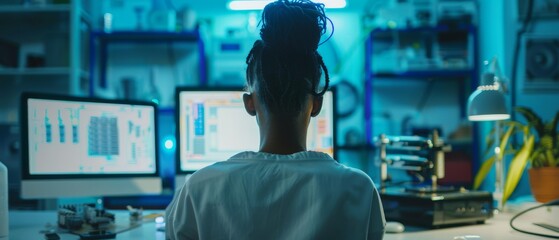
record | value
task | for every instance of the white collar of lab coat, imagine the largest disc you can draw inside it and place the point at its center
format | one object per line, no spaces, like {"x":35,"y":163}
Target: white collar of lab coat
{"x":298,"y":156}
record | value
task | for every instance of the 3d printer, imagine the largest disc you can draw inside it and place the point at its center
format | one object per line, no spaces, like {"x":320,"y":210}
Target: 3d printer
{"x":427,"y":205}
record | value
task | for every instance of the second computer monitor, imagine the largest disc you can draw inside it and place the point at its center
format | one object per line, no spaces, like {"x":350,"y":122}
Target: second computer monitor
{"x":76,"y":147}
{"x":212,"y":126}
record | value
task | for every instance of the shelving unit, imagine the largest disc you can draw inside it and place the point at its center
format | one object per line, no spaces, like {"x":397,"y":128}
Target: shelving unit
{"x":101,"y":41}
{"x":44,"y":9}
{"x":56,"y":34}
{"x":465,"y":73}
{"x":45,"y":71}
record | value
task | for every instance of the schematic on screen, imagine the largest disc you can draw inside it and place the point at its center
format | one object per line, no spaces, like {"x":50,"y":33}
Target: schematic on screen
{"x":73,"y":137}
{"x":213,"y":126}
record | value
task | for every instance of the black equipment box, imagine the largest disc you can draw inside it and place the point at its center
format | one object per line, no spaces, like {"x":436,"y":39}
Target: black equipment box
{"x":435,"y":210}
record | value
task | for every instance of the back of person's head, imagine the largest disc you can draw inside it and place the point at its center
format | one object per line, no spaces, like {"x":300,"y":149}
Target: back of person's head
{"x":284,"y":67}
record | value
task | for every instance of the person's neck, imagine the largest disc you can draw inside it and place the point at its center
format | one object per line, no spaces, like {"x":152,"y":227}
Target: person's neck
{"x":284,"y":136}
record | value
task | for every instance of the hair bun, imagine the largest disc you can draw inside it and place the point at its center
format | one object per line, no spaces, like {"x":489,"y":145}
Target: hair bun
{"x":293,"y":26}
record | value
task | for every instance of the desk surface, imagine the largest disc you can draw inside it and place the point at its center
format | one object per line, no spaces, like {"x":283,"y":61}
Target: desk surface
{"x":495,"y":228}
{"x":28,"y":224}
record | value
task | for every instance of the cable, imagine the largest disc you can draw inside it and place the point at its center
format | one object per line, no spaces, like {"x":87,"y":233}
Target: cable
{"x":511,"y":223}
{"x":425,"y":96}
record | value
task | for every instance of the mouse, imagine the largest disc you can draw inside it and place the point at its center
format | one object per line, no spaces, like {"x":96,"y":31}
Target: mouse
{"x":394,"y":227}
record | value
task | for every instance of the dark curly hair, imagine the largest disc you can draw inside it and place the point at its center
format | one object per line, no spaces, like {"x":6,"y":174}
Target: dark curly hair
{"x":285,"y":66}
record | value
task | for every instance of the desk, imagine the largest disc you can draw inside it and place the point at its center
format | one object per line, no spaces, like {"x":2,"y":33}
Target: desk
{"x":27,"y":224}
{"x":496,"y":228}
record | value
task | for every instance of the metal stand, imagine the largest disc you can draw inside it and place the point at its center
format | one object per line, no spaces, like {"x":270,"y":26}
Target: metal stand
{"x":413,"y":153}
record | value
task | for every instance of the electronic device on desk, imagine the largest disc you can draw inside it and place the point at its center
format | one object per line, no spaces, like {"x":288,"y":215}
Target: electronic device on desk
{"x":212,"y":126}
{"x":84,"y":147}
{"x":72,"y":217}
{"x":88,"y":221}
{"x":426,"y":205}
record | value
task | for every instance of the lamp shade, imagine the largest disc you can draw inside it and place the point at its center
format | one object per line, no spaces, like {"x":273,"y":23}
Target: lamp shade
{"x":487,"y":104}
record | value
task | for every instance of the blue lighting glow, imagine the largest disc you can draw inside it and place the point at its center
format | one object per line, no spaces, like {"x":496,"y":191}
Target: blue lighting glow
{"x":260,"y":4}
{"x":169,"y":143}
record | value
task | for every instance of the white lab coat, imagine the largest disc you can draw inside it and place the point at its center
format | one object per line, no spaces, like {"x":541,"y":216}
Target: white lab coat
{"x":255,"y":195}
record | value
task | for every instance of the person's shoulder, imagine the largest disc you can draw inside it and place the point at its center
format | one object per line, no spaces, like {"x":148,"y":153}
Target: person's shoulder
{"x":211,"y":172}
{"x":354,"y":179}
{"x":357,"y":175}
{"x":218,"y":171}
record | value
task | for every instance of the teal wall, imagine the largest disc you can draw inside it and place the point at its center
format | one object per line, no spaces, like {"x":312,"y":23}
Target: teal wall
{"x":499,"y":23}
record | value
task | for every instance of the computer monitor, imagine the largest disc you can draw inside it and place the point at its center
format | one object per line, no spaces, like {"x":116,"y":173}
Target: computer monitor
{"x":212,"y":126}
{"x":78,"y":147}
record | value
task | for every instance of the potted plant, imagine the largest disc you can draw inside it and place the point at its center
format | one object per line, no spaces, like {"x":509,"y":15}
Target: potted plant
{"x":538,"y":145}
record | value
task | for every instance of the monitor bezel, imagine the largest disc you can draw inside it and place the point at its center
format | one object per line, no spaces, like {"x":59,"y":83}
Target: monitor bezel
{"x":178,"y":90}
{"x":26,"y":175}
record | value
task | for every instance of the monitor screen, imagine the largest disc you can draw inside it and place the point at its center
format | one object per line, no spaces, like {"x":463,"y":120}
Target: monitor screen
{"x":98,"y":147}
{"x":212,"y":126}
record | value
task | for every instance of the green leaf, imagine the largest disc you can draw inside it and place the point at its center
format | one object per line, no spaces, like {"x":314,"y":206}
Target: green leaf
{"x":526,"y":130}
{"x":533,"y":119}
{"x":536,"y":159}
{"x":550,"y":158}
{"x":483,"y":171}
{"x":546,"y":142}
{"x":551,"y":130}
{"x":516,"y":167}
{"x":486,"y":166}
{"x":489,"y":141}
{"x":505,"y":141}
{"x":551,"y":126}
{"x":490,"y":138}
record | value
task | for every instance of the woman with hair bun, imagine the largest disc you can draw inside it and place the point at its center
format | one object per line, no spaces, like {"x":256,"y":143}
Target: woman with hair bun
{"x":282,"y":191}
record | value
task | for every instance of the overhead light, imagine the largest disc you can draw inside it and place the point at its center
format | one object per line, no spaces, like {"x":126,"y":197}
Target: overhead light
{"x":260,"y":4}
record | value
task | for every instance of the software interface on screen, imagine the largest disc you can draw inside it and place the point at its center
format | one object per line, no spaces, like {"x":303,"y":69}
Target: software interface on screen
{"x":213,"y":126}
{"x":70,"y":137}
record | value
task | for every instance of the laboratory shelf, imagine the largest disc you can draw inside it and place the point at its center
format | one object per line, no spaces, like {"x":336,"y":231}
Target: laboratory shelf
{"x":468,"y":76}
{"x":425,"y":74}
{"x":100,"y":40}
{"x":435,"y":29}
{"x":432,"y":73}
{"x":145,"y":36}
{"x":19,"y":9}
{"x":13,"y":12}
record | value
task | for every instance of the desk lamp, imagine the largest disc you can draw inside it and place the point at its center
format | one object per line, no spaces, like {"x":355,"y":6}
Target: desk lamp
{"x":487,"y":103}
